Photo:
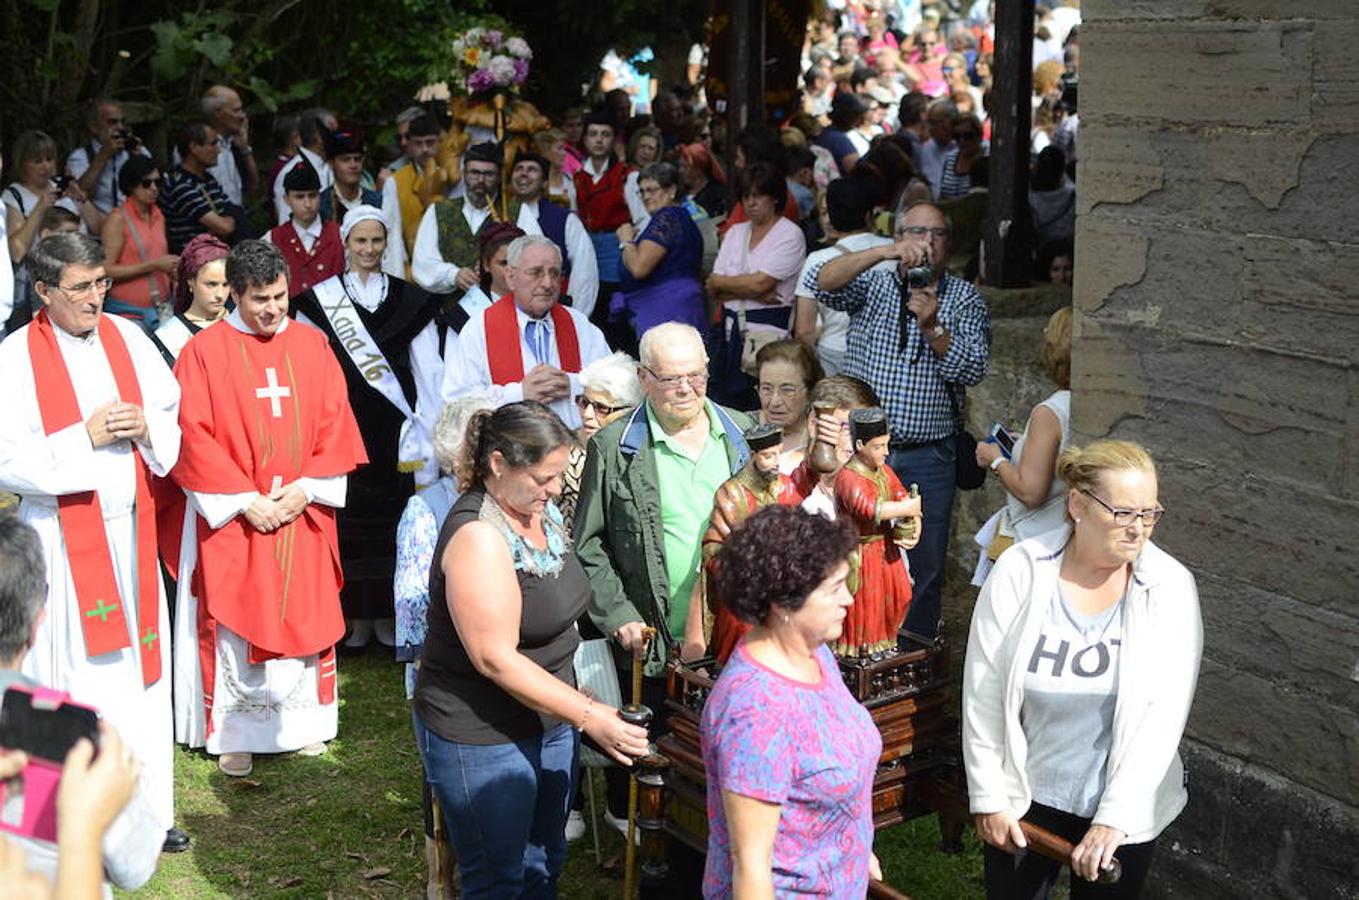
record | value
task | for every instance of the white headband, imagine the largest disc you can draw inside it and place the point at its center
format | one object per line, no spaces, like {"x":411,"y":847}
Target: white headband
{"x":362,"y":213}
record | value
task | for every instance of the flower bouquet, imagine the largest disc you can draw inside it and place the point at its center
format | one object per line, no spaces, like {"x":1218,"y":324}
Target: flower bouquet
{"x":488,"y":61}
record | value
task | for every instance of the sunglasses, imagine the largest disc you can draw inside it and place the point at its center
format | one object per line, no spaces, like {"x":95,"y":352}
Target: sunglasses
{"x":151,"y":182}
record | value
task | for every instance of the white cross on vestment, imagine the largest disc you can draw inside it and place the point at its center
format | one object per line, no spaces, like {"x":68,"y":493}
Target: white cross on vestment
{"x":273,"y":392}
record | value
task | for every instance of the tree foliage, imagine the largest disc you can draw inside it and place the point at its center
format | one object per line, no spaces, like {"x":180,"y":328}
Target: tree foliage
{"x":364,"y":60}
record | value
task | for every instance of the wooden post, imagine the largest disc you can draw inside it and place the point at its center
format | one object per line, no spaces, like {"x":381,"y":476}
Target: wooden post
{"x":1008,"y":235}
{"x":745,"y":67}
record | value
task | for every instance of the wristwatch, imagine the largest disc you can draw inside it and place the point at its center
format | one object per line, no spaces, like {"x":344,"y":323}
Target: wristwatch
{"x":936,"y":332}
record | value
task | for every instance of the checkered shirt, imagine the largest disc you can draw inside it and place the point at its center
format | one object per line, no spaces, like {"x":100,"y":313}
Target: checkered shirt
{"x":913,"y":383}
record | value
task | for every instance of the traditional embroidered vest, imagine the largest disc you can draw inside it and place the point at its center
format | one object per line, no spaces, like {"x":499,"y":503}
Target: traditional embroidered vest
{"x":601,"y":205}
{"x":333,"y":208}
{"x":306,"y":269}
{"x":552,"y":220}
{"x":457,"y":243}
{"x":504,"y":357}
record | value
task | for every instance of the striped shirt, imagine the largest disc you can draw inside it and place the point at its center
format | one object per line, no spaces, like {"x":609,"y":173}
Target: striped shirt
{"x":913,"y":382}
{"x":951,"y":184}
{"x":185,"y":199}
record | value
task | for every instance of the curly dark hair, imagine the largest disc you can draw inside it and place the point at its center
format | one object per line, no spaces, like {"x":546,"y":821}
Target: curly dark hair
{"x":254,"y":264}
{"x":776,"y":558}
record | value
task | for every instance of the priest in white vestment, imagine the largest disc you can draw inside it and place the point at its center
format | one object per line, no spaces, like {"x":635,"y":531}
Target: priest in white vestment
{"x":91,"y":412}
{"x":526,"y":346}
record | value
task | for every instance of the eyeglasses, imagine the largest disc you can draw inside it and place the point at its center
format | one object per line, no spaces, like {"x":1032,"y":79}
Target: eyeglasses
{"x":922,"y":230}
{"x":487,"y":174}
{"x":151,"y":182}
{"x":601,"y":409}
{"x":1125,"y":517}
{"x":784,"y":391}
{"x":649,"y":191}
{"x":696,"y":380}
{"x":99,"y":286}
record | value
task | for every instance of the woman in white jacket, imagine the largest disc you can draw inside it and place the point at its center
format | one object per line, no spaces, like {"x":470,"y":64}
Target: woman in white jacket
{"x":1080,"y":670}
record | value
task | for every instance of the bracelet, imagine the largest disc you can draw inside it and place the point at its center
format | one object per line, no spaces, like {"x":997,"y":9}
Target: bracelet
{"x":995,"y":465}
{"x":589,"y":708}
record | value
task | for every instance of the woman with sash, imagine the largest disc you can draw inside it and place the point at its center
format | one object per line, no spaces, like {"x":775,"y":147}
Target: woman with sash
{"x":201,"y":294}
{"x":382,"y":330}
{"x":136,"y":252}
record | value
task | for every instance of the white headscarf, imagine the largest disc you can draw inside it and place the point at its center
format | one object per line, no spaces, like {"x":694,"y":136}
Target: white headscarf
{"x":357,"y":214}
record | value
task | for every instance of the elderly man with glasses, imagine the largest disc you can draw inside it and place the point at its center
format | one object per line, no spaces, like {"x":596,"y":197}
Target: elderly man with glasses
{"x":645,"y":499}
{"x":92,"y":414}
{"x":919,"y":347}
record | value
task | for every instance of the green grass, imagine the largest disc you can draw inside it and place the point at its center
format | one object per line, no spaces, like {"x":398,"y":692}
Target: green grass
{"x":348,"y":824}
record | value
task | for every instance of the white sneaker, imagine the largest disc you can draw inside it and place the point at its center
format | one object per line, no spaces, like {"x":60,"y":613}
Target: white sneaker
{"x":621,"y":826}
{"x":360,"y":633}
{"x":385,"y":631}
{"x":575,"y":826}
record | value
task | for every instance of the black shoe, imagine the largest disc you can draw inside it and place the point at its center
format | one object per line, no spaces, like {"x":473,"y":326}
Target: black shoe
{"x":176,"y":841}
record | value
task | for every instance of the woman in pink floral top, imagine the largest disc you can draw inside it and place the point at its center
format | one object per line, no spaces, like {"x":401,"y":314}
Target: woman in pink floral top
{"x":789,"y":753}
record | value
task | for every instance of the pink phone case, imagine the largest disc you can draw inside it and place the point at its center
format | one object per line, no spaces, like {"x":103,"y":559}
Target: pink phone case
{"x":40,"y":781}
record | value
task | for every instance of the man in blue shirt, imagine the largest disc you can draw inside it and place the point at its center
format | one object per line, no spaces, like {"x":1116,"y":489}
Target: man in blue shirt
{"x":918,"y":348}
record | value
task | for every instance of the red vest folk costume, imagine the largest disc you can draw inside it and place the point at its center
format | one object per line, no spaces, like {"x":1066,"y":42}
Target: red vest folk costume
{"x":503,"y":356}
{"x":103,"y":620}
{"x":309,"y":268}
{"x":600,"y":203}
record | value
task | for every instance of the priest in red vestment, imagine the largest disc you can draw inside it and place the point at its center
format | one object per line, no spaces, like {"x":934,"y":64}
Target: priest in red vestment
{"x":758,"y":484}
{"x":869,"y":493}
{"x":269,"y":439}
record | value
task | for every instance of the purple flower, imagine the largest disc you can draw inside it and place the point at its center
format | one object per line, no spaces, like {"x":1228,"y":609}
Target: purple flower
{"x":480,"y":80}
{"x":520,"y":71}
{"x":494,"y":37}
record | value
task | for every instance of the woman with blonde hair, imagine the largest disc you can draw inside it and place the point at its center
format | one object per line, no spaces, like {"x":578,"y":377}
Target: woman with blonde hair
{"x":1080,"y":670}
{"x":1034,"y":495}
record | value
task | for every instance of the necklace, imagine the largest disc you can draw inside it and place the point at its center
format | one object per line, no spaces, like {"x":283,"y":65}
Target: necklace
{"x":357,"y":297}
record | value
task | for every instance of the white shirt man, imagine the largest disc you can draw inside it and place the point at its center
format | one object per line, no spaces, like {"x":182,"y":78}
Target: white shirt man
{"x":105,"y":639}
{"x":100,"y":183}
{"x":546,"y":339}
{"x":527,"y":179}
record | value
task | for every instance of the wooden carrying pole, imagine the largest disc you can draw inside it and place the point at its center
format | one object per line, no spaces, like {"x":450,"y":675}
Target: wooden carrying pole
{"x":635,"y":713}
{"x":1045,"y":843}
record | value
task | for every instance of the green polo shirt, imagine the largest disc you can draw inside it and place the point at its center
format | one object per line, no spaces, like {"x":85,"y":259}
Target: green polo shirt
{"x":687,"y":489}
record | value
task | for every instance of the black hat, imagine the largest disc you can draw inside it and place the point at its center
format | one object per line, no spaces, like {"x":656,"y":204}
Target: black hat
{"x":525,"y":156}
{"x":762,"y":437}
{"x":867,"y":424}
{"x":343,"y":142}
{"x":487,"y":152}
{"x":301,"y":177}
{"x":600,"y":117}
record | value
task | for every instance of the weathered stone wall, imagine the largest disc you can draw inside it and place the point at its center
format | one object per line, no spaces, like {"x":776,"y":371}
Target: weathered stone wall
{"x":1217,"y":298}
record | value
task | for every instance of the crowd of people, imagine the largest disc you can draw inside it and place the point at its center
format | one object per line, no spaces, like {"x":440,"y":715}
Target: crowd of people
{"x":475,"y":410}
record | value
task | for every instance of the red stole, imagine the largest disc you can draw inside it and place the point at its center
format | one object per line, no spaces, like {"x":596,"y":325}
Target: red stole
{"x":306,"y":269}
{"x":601,"y":203}
{"x":102,"y":619}
{"x":503,"y":355}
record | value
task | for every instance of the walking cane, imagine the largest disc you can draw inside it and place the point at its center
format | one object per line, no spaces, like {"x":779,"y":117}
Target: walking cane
{"x":439,"y":864}
{"x":635,"y":714}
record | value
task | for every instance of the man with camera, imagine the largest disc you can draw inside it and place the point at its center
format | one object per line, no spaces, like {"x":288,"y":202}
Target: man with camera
{"x":96,"y":163}
{"x":919,"y":335}
{"x":104,"y":826}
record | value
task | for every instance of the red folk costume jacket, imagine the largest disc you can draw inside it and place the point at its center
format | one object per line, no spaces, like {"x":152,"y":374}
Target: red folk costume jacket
{"x":600,"y":203}
{"x":308,"y":268}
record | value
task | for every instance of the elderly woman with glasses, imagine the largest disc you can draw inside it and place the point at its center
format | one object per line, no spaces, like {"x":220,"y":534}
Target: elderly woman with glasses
{"x":609,"y":387}
{"x":1080,"y":671}
{"x":786,"y":372}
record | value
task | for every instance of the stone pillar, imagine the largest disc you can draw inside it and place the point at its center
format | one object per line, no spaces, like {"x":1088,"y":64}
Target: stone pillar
{"x":1217,"y":322}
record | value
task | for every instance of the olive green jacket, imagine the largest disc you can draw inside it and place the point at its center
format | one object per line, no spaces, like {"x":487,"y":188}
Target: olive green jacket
{"x":618,"y":531}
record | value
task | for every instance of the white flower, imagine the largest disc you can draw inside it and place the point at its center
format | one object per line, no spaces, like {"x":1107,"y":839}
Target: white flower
{"x":502,"y":69}
{"x":517,"y":46}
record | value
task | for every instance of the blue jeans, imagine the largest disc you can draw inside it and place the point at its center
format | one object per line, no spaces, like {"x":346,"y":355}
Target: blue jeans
{"x":505,"y":808}
{"x":931,"y":467}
